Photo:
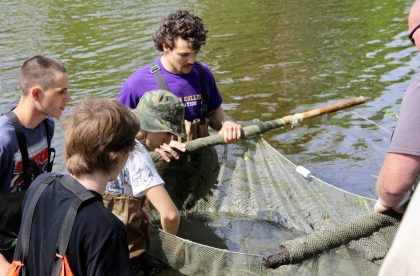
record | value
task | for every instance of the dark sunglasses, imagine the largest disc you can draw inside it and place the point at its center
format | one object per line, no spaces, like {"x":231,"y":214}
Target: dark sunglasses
{"x":410,"y":36}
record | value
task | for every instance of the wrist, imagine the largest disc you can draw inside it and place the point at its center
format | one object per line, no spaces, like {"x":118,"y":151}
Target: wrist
{"x":380,"y":201}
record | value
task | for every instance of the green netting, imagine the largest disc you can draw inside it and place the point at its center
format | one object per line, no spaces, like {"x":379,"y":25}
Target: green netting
{"x":255,"y":184}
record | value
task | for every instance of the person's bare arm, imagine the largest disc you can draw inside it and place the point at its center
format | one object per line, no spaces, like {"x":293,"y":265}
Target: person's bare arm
{"x":231,"y":130}
{"x":169,"y":215}
{"x":4,"y":265}
{"x":398,"y":174}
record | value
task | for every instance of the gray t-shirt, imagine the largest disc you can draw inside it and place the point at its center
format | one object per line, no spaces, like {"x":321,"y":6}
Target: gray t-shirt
{"x":406,"y":138}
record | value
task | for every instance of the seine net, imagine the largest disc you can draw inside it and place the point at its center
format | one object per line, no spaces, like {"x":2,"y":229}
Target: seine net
{"x":243,"y":207}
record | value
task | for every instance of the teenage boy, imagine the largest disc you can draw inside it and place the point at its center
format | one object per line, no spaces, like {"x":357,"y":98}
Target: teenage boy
{"x":99,"y":136}
{"x":44,"y":94}
{"x":25,"y":140}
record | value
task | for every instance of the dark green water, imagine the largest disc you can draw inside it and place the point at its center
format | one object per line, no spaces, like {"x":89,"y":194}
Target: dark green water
{"x":270,"y":58}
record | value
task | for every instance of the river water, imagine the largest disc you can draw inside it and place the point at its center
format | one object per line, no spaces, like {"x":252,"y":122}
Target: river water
{"x":270,"y":58}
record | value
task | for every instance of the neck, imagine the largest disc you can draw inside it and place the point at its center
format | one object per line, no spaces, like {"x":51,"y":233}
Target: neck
{"x":167,"y":65}
{"x":95,"y":181}
{"x":27,"y":114}
{"x":141,"y":137}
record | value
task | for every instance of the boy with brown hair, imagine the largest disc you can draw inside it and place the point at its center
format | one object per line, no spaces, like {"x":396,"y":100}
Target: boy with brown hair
{"x":99,"y":136}
{"x":25,"y":140}
{"x":44,"y":94}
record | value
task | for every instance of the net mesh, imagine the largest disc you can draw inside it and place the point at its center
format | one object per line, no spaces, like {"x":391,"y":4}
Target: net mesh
{"x":253,"y":200}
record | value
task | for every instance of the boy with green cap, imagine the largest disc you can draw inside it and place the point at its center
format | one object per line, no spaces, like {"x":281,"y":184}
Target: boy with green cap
{"x":161,"y":115}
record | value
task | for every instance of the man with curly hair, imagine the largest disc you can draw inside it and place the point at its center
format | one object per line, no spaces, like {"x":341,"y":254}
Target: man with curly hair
{"x":180,"y":37}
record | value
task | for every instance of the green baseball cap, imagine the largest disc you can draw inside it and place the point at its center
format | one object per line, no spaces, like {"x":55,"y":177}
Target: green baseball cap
{"x":161,"y":111}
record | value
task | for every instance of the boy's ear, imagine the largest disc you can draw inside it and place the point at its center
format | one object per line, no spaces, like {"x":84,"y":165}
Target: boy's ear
{"x":35,"y":92}
{"x":165,"y":47}
{"x":140,"y":136}
{"x":114,"y":156}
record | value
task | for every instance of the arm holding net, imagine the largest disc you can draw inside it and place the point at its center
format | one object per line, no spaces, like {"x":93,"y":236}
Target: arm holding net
{"x":253,"y":130}
{"x":297,"y":250}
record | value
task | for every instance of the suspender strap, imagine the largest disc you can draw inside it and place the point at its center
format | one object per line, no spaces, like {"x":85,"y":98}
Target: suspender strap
{"x":204,"y":94}
{"x":155,"y":70}
{"x":51,"y":150}
{"x":27,"y":166}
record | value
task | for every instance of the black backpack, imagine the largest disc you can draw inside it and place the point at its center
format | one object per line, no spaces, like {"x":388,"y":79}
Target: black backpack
{"x":60,"y":265}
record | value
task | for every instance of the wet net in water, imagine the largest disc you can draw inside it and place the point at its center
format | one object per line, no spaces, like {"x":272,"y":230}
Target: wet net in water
{"x":242,"y":203}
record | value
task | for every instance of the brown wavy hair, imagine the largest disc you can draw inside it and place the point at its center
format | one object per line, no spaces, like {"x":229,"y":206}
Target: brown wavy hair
{"x":181,"y":24}
{"x":96,"y":131}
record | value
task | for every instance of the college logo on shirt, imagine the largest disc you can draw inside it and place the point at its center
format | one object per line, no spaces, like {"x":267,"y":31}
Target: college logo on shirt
{"x":191,"y":100}
{"x":37,"y":153}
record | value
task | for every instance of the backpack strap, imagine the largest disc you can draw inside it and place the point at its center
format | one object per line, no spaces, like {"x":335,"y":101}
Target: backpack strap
{"x":82,"y":195}
{"x":23,"y":246}
{"x":155,"y":70}
{"x":204,"y":94}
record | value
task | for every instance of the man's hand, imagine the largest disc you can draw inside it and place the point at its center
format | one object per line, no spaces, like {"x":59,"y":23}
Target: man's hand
{"x":163,"y":149}
{"x":379,"y":208}
{"x":231,"y":131}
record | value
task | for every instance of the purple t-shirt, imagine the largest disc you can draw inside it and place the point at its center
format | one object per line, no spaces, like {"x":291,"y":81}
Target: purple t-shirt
{"x":10,"y":157}
{"x":186,"y":87}
{"x":406,"y":138}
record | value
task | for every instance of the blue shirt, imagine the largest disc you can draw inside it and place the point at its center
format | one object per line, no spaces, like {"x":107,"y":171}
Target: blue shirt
{"x":10,"y":157}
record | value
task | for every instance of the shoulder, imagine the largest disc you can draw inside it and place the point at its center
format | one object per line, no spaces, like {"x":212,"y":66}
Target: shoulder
{"x":5,"y":122}
{"x":206,"y":68}
{"x":413,"y":92}
{"x":407,"y":131}
{"x":142,"y":171}
{"x":141,"y":149}
{"x":139,"y":158}
{"x":98,"y":216}
{"x":135,"y":86}
{"x":138,"y":75}
{"x":411,"y":97}
{"x":7,"y":131}
{"x":95,"y":223}
{"x":50,"y":122}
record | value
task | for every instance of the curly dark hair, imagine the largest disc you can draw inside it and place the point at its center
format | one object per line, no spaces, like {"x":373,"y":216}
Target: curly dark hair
{"x":181,"y":24}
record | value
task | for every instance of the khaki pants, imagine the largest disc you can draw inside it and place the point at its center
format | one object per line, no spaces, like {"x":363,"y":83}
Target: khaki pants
{"x":194,"y":130}
{"x":194,"y":175}
{"x":129,"y":210}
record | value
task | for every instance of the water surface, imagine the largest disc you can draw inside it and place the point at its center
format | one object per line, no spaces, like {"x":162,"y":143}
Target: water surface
{"x":270,"y":58}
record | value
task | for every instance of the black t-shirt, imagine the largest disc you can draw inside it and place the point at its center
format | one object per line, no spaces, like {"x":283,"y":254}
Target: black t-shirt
{"x":98,"y":242}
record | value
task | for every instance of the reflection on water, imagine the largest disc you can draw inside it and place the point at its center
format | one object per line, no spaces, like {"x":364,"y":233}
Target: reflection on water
{"x":270,"y":58}
{"x":234,"y":234}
